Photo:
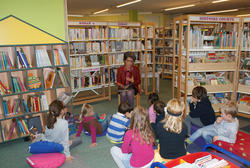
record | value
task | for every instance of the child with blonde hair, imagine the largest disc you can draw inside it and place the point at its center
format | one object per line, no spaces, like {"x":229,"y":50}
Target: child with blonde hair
{"x":225,"y":128}
{"x":137,"y":149}
{"x":90,"y":123}
{"x":172,"y":131}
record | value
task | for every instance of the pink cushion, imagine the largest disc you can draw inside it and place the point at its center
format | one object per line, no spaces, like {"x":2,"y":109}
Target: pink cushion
{"x":46,"y":160}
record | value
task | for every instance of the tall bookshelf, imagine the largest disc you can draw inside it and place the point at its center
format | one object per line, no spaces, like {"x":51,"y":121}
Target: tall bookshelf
{"x":89,"y":51}
{"x":243,"y":87}
{"x":207,"y":56}
{"x":34,"y":72}
{"x":148,"y":58}
{"x":159,"y":48}
{"x":168,"y":53}
{"x":106,"y":43}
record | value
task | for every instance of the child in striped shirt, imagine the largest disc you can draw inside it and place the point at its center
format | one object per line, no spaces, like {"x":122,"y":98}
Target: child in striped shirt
{"x":119,"y":123}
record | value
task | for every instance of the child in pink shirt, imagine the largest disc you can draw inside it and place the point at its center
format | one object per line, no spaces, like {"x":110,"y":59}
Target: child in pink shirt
{"x":152,"y":98}
{"x":137,"y":149}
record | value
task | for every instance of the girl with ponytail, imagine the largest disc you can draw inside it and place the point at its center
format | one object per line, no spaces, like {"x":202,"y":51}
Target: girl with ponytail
{"x":57,"y":128}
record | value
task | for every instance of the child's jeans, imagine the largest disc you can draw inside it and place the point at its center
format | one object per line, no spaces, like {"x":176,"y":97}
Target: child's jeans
{"x":207,"y":132}
{"x":105,"y":122}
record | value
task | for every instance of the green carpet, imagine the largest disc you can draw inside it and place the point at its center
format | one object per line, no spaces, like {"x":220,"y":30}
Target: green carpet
{"x":13,"y":154}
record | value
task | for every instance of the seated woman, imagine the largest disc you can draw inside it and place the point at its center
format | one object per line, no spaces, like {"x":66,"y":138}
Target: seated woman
{"x":128,"y":79}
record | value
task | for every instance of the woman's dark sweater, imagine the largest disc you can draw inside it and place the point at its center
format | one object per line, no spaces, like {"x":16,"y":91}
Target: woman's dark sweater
{"x":203,"y":110}
{"x":171,"y":144}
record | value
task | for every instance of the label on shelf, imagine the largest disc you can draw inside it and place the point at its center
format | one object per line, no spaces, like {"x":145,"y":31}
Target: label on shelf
{"x":214,"y":18}
{"x":87,"y":23}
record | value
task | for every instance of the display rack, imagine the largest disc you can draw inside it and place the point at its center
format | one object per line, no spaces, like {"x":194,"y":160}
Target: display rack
{"x":109,"y":40}
{"x":207,"y":56}
{"x":243,"y":82}
{"x":148,"y":58}
{"x":34,"y":71}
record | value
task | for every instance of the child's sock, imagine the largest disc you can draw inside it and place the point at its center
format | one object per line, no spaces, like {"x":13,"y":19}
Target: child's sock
{"x":188,"y":141}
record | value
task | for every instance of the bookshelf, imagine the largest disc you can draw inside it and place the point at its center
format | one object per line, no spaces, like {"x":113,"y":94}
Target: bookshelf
{"x":34,"y":71}
{"x":243,"y":87}
{"x":97,"y":48}
{"x":168,"y":56}
{"x":207,"y":56}
{"x":148,"y":58}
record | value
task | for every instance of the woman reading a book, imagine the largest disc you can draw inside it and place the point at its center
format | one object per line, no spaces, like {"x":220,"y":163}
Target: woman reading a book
{"x":128,"y":79}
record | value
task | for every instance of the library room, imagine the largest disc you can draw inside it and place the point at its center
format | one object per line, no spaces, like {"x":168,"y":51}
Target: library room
{"x":125,"y":84}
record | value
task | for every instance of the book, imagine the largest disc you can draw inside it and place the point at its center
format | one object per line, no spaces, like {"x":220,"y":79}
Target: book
{"x":42,"y":58}
{"x":64,"y":97}
{"x":62,"y":77}
{"x":34,"y":125}
{"x":49,"y":77}
{"x":44,"y":102}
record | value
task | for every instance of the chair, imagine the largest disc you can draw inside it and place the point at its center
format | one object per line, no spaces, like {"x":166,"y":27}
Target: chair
{"x":138,"y":99}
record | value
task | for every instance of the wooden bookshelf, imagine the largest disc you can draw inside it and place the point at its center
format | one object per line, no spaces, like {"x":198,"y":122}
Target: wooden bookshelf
{"x":207,"y":52}
{"x":148,"y":58}
{"x":119,"y":37}
{"x":243,"y":84}
{"x":22,"y":72}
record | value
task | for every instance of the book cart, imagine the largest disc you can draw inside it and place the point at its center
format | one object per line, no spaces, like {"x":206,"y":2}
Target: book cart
{"x":207,"y":56}
{"x":97,"y":50}
{"x":243,"y":87}
{"x":34,"y":71}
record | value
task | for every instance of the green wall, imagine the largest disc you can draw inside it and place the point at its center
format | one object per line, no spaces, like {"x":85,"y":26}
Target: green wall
{"x":47,"y":15}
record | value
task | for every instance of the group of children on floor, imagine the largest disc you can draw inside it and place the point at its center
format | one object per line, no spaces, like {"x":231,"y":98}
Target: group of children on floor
{"x":138,"y":129}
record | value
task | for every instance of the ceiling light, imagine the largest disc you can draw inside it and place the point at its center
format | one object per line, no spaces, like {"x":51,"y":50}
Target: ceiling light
{"x":218,"y":1}
{"x":179,"y":7}
{"x":101,"y":11}
{"x":244,"y":15}
{"x":125,"y":4}
{"x":223,"y":11}
{"x":76,"y":15}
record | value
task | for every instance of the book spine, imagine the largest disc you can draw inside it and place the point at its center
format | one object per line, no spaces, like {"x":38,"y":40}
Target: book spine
{"x":9,"y":61}
{"x":13,"y":125}
{"x":24,"y":59}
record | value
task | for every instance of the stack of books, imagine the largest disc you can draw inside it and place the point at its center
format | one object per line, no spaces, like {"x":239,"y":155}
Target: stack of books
{"x":11,"y":108}
{"x":22,"y":60}
{"x":59,"y":57}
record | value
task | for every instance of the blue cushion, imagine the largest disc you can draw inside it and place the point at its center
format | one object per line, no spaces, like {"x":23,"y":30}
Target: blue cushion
{"x":45,"y":147}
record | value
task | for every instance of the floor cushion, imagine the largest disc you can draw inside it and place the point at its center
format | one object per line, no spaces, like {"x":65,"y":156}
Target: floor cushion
{"x":46,"y":160}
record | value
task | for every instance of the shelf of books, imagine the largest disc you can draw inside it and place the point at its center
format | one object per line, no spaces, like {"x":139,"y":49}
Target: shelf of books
{"x":159,"y":48}
{"x":96,"y":51}
{"x":148,"y":58}
{"x":168,"y":50}
{"x":34,"y":71}
{"x":208,"y":53}
{"x":243,"y":91}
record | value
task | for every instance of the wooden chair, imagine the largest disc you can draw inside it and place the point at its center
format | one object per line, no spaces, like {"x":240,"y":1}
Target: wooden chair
{"x":138,"y":99}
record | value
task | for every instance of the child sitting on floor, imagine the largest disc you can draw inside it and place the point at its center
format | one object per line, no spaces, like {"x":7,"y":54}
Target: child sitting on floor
{"x":137,"y":149}
{"x":172,"y":131}
{"x":89,"y":122}
{"x":160,"y":113}
{"x":225,"y":127}
{"x":119,"y":123}
{"x":152,"y":98}
{"x":201,"y":110}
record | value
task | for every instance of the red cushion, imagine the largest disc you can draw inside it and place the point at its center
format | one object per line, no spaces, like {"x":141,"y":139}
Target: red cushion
{"x":241,"y":146}
{"x":46,"y":160}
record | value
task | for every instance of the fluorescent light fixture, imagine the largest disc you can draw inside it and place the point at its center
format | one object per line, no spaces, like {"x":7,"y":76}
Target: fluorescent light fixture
{"x":101,"y":11}
{"x":179,"y":7}
{"x":223,"y":11}
{"x":218,"y":1}
{"x":128,"y":3}
{"x":244,"y":15}
{"x":76,"y":15}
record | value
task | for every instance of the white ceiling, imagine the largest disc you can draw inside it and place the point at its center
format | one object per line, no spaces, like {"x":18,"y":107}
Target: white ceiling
{"x":156,"y":6}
